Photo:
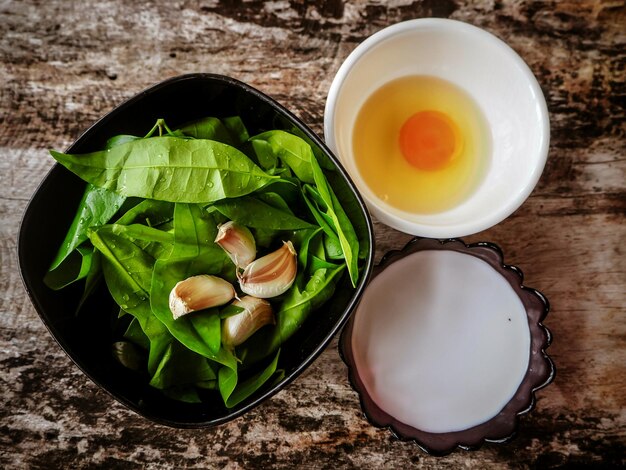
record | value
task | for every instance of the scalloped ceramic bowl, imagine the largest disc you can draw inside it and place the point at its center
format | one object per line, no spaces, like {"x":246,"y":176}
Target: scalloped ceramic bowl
{"x":487,"y":69}
{"x":87,"y":338}
{"x":465,"y":345}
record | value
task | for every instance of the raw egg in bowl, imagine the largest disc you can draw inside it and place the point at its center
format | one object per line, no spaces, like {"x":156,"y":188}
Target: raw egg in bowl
{"x":441,"y":125}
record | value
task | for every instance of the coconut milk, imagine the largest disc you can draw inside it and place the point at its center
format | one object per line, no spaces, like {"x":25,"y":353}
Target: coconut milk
{"x":441,"y":341}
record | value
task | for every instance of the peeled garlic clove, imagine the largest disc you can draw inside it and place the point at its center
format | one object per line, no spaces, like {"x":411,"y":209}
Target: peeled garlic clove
{"x":270,"y":275}
{"x":238,"y":242}
{"x":199,"y":292}
{"x":256,"y":314}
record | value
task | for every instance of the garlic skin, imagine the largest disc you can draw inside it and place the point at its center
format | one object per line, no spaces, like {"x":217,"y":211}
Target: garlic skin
{"x":238,"y":242}
{"x":270,"y":275}
{"x":238,"y":328}
{"x":199,"y":292}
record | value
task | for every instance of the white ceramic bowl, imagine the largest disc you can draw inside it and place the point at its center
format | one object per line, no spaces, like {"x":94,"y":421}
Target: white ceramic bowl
{"x":492,"y":73}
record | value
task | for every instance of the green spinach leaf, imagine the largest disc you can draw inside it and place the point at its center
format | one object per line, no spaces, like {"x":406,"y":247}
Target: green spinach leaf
{"x":253,"y":212}
{"x":321,"y":157}
{"x":74,"y":267}
{"x":302,"y":241}
{"x":342,"y":225}
{"x":169,"y":169}
{"x":351,"y":206}
{"x":289,"y":189}
{"x":127,"y":272}
{"x":274,"y":200}
{"x":180,"y":366}
{"x":298,"y":304}
{"x":236,"y":128}
{"x":331,"y":239}
{"x":291,"y":149}
{"x":119,"y":140}
{"x":233,"y":393}
{"x":135,"y":334}
{"x":148,"y":212}
{"x":92,"y":279}
{"x":157,"y":243}
{"x":210,"y":128}
{"x":96,"y":207}
{"x":265,"y":155}
{"x":185,"y":393}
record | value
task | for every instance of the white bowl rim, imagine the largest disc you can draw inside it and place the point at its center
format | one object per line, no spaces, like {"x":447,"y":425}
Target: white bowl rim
{"x":468,"y":227}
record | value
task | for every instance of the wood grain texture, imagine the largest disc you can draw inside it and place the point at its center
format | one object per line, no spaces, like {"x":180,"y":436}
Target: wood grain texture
{"x":64,"y":64}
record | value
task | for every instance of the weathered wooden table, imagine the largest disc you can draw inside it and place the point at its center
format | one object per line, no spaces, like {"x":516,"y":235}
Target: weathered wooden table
{"x":64,"y":64}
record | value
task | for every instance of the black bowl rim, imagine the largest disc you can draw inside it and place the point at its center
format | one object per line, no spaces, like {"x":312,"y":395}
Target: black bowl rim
{"x":358,"y":291}
{"x":380,"y":419}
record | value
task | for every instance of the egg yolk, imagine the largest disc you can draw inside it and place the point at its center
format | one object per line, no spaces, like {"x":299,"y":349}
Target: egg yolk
{"x":429,"y":140}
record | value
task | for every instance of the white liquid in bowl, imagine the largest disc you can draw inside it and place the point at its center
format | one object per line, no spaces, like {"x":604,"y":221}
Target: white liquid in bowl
{"x":441,"y":341}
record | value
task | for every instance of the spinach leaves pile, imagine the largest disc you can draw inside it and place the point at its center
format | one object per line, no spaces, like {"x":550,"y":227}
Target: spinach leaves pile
{"x":149,"y":217}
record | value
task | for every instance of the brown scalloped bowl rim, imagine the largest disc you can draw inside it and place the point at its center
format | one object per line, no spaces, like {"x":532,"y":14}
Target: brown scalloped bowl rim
{"x":541,"y":370}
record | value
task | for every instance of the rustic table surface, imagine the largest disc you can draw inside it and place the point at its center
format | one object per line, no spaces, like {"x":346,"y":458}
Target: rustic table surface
{"x":64,"y":64}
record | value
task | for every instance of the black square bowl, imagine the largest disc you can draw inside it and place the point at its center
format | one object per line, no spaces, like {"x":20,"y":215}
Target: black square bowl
{"x":86,"y":338}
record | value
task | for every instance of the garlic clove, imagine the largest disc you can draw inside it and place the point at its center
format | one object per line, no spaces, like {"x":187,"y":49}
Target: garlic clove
{"x":128,"y":354}
{"x":272,"y":274}
{"x":238,"y":242}
{"x":198,"y":293}
{"x":238,"y":328}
